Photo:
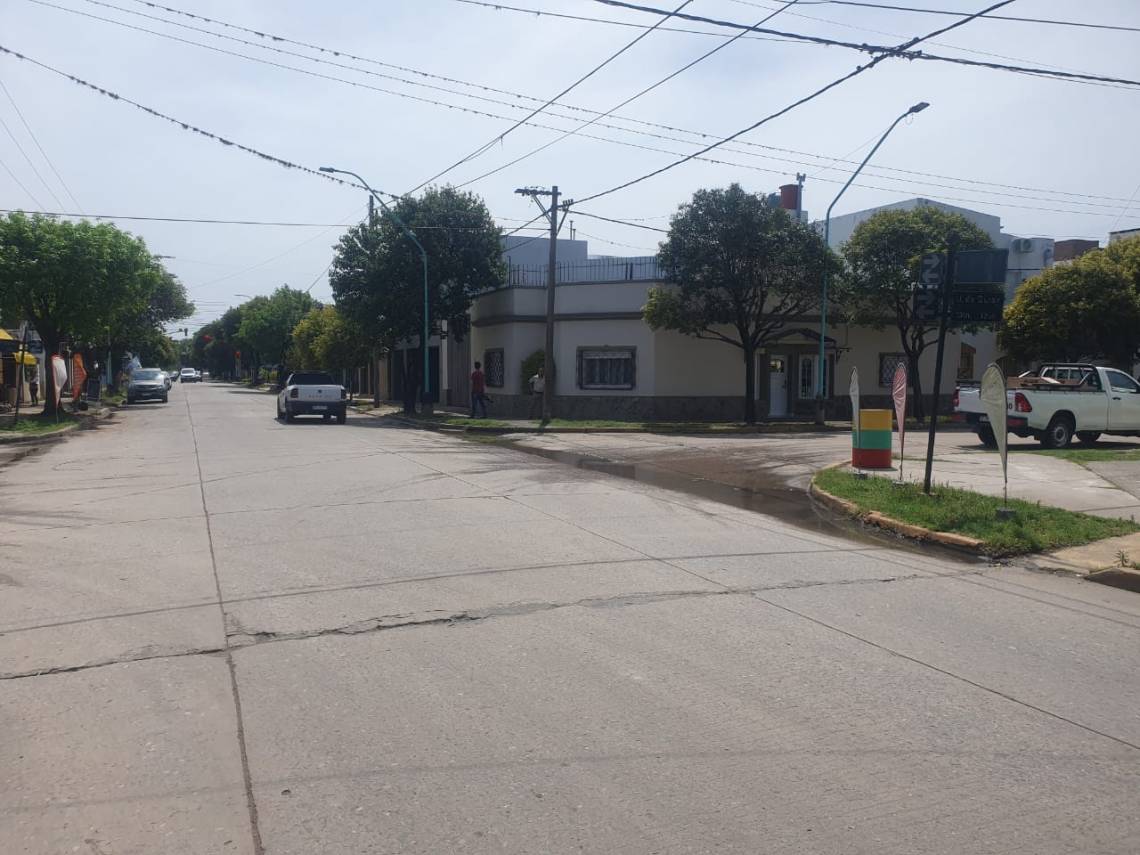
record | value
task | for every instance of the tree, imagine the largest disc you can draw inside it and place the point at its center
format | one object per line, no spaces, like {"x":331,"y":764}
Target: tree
{"x":73,"y":281}
{"x":377,"y":277}
{"x":325,"y":338}
{"x":141,"y":329}
{"x":739,"y":269}
{"x":267,"y":324}
{"x":883,"y":257}
{"x":1088,"y":309}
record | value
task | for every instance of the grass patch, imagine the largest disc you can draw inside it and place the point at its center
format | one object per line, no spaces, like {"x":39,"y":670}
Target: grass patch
{"x":110,"y":399}
{"x":1034,"y":528}
{"x":1092,"y":455}
{"x":37,"y":425}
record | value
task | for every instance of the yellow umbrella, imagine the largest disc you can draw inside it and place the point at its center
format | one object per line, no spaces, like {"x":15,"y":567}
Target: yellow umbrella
{"x":24,"y":358}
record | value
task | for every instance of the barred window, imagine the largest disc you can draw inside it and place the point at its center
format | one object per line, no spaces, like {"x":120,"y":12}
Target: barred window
{"x":888,"y":362}
{"x":609,"y":368}
{"x":494,"y":367}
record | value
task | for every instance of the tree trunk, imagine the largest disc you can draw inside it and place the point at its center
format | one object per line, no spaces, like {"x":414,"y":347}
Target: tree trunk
{"x":410,"y":385}
{"x":51,"y":346}
{"x":916,"y":384}
{"x":375,"y":381}
{"x":750,"y":385}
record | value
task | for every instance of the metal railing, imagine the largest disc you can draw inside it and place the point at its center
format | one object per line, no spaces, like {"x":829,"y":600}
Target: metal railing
{"x":636,"y":269}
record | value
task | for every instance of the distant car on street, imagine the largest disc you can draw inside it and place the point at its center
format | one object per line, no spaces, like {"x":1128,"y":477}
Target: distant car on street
{"x":188,"y":375}
{"x":312,"y":393}
{"x":146,"y":384}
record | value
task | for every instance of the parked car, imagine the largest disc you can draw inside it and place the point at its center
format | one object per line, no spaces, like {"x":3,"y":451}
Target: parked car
{"x":968,"y":401}
{"x":1072,"y":400}
{"x":188,"y":375}
{"x":146,"y":384}
{"x":312,"y":393}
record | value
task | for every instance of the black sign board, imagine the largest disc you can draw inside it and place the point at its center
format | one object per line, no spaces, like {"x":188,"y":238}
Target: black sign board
{"x":980,"y":266}
{"x":976,"y":305}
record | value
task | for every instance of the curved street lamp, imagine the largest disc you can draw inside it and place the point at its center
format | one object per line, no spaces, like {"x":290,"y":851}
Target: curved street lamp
{"x":410,"y":235}
{"x":819,"y":398}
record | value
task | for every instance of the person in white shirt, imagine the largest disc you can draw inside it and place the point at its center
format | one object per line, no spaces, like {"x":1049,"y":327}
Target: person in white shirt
{"x":537,"y":388}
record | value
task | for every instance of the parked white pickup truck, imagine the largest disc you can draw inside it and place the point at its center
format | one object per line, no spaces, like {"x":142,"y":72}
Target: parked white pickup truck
{"x":968,"y":395}
{"x":1060,"y":401}
{"x":312,"y":393}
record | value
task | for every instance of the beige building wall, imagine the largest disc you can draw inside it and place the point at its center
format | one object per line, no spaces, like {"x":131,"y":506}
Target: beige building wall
{"x":675,"y":367}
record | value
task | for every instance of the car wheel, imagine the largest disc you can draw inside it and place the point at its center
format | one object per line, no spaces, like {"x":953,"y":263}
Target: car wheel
{"x":1088,"y":437}
{"x":986,"y":435}
{"x":278,"y":415}
{"x":1059,"y":433}
{"x":164,"y":399}
{"x":341,"y":417}
{"x":288,"y":414}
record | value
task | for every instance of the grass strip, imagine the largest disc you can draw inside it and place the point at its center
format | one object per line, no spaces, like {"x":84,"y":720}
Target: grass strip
{"x":37,"y":425}
{"x":1033,"y":528}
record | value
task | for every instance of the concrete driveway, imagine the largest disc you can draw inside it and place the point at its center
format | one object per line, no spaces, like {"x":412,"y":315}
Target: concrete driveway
{"x":223,"y":634}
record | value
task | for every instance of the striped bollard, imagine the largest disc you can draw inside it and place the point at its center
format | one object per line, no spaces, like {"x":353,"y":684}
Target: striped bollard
{"x":871,"y":444}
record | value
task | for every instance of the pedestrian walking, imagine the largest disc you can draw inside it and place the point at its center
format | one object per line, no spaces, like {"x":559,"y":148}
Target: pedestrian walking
{"x":478,"y":390}
{"x":537,"y":389}
{"x":34,"y":388}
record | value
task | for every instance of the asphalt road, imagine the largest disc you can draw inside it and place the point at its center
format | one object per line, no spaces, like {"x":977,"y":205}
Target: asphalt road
{"x":223,"y":634}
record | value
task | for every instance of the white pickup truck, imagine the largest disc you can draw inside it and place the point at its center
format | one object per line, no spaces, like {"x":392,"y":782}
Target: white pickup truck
{"x":1060,"y":401}
{"x":312,"y":393}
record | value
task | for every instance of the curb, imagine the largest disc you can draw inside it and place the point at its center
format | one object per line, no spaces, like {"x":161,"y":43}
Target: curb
{"x":513,"y":429}
{"x":915,"y":532}
{"x":39,"y":438}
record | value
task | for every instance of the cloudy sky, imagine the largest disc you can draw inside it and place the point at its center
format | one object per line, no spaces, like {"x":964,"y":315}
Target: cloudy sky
{"x":429,"y":81}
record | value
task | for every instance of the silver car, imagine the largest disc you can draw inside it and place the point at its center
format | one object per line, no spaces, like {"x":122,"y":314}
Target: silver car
{"x":146,"y":384}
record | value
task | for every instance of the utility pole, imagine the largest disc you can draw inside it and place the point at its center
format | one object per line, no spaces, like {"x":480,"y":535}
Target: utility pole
{"x":551,"y":213}
{"x":800,"y":178}
{"x":945,"y":302}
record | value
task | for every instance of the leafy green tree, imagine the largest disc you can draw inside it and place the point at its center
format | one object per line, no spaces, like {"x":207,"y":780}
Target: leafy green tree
{"x":739,"y":269}
{"x":141,"y":328}
{"x":377,"y":277}
{"x":267,"y":324}
{"x":78,"y":282}
{"x":325,"y":338}
{"x":883,"y":258}
{"x":1088,"y":309}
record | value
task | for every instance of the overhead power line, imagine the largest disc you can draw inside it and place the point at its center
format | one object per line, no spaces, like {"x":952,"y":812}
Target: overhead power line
{"x":579,"y":213}
{"x":29,"y":161}
{"x":21,"y":184}
{"x":500,"y":137}
{"x":628,"y":100}
{"x":176,"y":219}
{"x":880,"y":49}
{"x":825,"y":88}
{"x":276,"y":38}
{"x":35,"y":140}
{"x":1049,"y":21}
{"x":186,"y":126}
{"x":895,"y":35}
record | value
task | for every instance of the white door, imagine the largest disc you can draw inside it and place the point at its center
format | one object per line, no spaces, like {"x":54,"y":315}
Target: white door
{"x":1123,"y":401}
{"x":777,"y":385}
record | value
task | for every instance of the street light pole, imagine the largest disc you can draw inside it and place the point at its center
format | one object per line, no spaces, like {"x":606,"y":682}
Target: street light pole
{"x":819,"y":398}
{"x":410,"y":235}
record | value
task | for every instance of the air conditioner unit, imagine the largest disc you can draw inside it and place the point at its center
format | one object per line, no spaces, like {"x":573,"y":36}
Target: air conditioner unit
{"x":1021,"y":245}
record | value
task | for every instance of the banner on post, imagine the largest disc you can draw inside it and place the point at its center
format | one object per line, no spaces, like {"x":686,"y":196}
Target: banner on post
{"x":854,"y":392}
{"x":59,"y":372}
{"x":993,"y":397}
{"x":898,"y":394}
{"x":78,"y":376}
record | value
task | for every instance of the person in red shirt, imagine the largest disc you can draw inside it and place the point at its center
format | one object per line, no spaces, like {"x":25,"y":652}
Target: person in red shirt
{"x":478,"y":390}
